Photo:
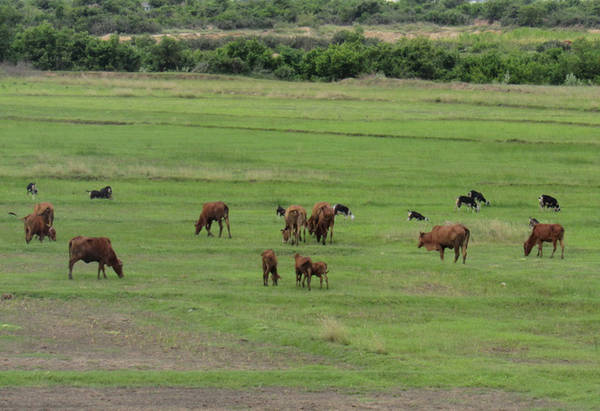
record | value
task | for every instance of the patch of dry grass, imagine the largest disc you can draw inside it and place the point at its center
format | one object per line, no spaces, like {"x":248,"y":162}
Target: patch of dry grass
{"x":334,"y":331}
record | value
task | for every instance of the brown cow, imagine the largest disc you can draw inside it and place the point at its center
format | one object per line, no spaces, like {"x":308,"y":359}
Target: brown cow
{"x":295,"y":220}
{"x":545,"y":232}
{"x":325,"y":223}
{"x":320,"y":270}
{"x":448,"y":236}
{"x":36,"y":225}
{"x":303,"y":265}
{"x":269,"y":264}
{"x":314,"y":217}
{"x":46,"y":210}
{"x":91,"y":249}
{"x":215,"y":211}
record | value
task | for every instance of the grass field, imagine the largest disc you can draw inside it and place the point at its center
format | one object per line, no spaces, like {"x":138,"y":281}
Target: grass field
{"x":192,"y":311}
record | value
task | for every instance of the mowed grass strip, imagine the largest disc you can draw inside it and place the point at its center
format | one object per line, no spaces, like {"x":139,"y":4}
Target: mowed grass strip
{"x":394,"y":316}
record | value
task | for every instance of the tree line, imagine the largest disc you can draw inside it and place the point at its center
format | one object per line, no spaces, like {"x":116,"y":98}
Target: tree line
{"x":347,"y":54}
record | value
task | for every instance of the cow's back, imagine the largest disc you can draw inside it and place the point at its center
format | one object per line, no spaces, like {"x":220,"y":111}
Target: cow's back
{"x":448,"y":234}
{"x":90,"y":248}
{"x":215,"y":208}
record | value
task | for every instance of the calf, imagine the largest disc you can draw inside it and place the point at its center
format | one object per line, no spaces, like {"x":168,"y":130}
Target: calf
{"x":32,"y":189}
{"x":449,"y":236}
{"x":413,"y":215}
{"x":468,"y":201}
{"x":325,"y":223}
{"x":343,"y":210}
{"x":215,"y":211}
{"x":547,"y":201}
{"x":303,"y":266}
{"x":320,"y":270}
{"x":477,"y":196}
{"x":45,"y":210}
{"x":105,"y":192}
{"x":91,"y":249}
{"x":269,"y":264}
{"x":280,"y":211}
{"x":295,"y":221}
{"x":548,"y":233}
{"x":36,"y":225}
{"x":314,"y":217}
{"x":533,"y":222}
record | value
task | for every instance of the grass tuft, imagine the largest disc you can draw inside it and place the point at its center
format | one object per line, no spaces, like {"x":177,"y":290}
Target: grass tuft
{"x":334,"y":331}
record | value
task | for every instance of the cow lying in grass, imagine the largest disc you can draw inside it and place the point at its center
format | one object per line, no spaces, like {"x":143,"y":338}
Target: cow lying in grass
{"x":448,"y":236}
{"x":414,"y":215}
{"x":91,"y":249}
{"x":269,"y":265}
{"x":550,"y":233}
{"x":215,"y":211}
{"x":105,"y":192}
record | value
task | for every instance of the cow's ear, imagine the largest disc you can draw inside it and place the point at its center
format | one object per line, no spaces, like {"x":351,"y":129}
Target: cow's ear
{"x":421,"y":233}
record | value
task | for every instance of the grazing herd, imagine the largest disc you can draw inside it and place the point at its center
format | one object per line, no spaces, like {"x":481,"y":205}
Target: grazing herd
{"x":320,"y":224}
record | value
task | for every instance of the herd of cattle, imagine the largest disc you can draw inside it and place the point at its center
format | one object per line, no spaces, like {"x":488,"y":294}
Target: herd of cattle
{"x":320,"y":224}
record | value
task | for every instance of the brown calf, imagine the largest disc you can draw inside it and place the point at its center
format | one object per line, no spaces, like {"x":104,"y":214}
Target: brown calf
{"x":91,"y":249}
{"x":324,"y":224}
{"x":295,"y":220}
{"x":545,"y":232}
{"x":303,"y":266}
{"x":269,"y":264}
{"x":45,"y":210}
{"x":215,"y":211}
{"x":320,"y":270}
{"x":449,"y":236}
{"x":314,"y":217}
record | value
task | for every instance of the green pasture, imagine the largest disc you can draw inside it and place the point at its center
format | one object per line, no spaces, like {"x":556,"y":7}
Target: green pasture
{"x":394,"y":315}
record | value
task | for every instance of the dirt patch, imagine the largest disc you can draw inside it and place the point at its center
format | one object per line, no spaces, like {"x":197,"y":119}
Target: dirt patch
{"x":77,"y":335}
{"x":264,"y":398}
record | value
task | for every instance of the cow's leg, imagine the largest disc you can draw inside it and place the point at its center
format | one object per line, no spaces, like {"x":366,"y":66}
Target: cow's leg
{"x":99,"y":265}
{"x":562,"y":247}
{"x":326,"y":280}
{"x":220,"y":227}
{"x":104,"y":270}
{"x":442,"y":253}
{"x":208,"y":224}
{"x":540,"y":248}
{"x":464,"y":251}
{"x":331,"y":235}
{"x":228,"y":228}
{"x":554,"y":249}
{"x":309,"y":275}
{"x":72,"y":261}
{"x":456,"y":252}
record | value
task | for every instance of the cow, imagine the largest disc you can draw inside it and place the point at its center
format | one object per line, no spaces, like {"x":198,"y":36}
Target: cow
{"x":32,"y":189}
{"x":325,"y":223}
{"x":46,"y":210}
{"x":414,"y":215}
{"x":269,"y":265}
{"x":91,"y":249}
{"x":36,"y":225}
{"x":547,"y":201}
{"x":533,"y":222}
{"x":280,"y":211}
{"x":105,"y":192}
{"x":303,"y":266}
{"x":545,"y":232}
{"x":215,"y":211}
{"x":477,"y":196}
{"x":468,"y":201}
{"x":314,"y":217}
{"x":340,"y":209}
{"x":320,"y":270}
{"x":449,"y":236}
{"x":295,"y":221}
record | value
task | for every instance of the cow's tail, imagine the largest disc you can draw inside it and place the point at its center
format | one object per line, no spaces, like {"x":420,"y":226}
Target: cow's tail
{"x":467,"y":236}
{"x":226,"y":210}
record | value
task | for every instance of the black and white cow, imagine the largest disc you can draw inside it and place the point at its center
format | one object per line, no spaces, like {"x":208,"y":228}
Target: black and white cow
{"x":414,"y":215}
{"x":477,"y":196}
{"x":548,"y":202}
{"x":105,"y":192}
{"x":468,"y":201}
{"x":32,"y":189}
{"x":533,"y":222}
{"x":343,"y":210}
{"x":280,"y":211}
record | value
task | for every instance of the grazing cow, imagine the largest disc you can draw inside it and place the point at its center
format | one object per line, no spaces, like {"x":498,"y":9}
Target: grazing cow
{"x":343,"y":210}
{"x":32,"y":189}
{"x":448,"y":236}
{"x":320,"y":270}
{"x":269,"y":265}
{"x":105,"y":192}
{"x":215,"y":211}
{"x":545,"y":232}
{"x":36,"y":225}
{"x":280,"y":211}
{"x":325,"y":224}
{"x":548,"y":202}
{"x":46,"y":210}
{"x":314,"y":217}
{"x":533,"y":222}
{"x":477,"y":196}
{"x":303,"y":266}
{"x":91,"y":249}
{"x":468,"y":201}
{"x":295,"y":220}
{"x":414,"y":215}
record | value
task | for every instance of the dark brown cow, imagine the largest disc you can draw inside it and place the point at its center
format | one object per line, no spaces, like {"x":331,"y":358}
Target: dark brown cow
{"x":325,"y":224}
{"x":303,"y":266}
{"x":295,"y":221}
{"x":448,"y":236}
{"x":36,"y":225}
{"x":215,"y":211}
{"x":46,"y":210}
{"x":545,"y":232}
{"x":314,"y":217}
{"x":320,"y":270}
{"x":269,"y":264}
{"x":91,"y":249}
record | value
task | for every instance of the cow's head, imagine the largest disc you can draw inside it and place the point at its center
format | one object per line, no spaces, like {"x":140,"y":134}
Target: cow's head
{"x":285,"y":232}
{"x":118,"y":267}
{"x":557,"y":208}
{"x":28,"y":234}
{"x":52,"y":233}
{"x":199,"y":226}
{"x":421,"y":239}
{"x":527,"y":248}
